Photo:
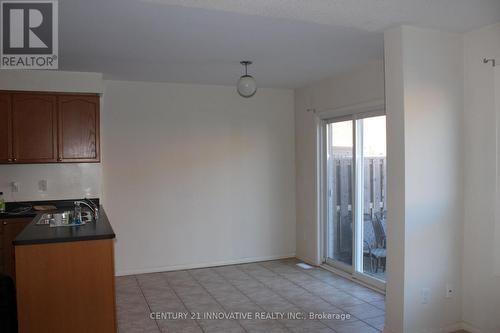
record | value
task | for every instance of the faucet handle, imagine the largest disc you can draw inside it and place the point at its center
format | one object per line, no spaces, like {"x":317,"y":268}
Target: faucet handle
{"x":93,"y":204}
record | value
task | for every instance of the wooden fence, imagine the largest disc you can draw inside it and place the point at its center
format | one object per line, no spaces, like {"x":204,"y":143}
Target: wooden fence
{"x":340,"y":189}
{"x":340,"y":194}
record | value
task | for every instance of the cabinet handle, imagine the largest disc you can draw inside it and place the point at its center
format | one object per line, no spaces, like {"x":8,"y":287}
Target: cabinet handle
{"x":59,"y":159}
{"x":15,"y":159}
{"x":4,"y":223}
{"x":9,"y":160}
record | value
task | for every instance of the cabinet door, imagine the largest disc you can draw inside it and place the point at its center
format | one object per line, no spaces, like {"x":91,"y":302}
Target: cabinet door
{"x":2,"y":266}
{"x":78,"y":128}
{"x":11,"y":228}
{"x":34,"y":128}
{"x":5,"y":128}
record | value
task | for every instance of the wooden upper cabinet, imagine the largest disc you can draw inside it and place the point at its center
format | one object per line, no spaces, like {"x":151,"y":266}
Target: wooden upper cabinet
{"x":49,"y":127}
{"x":34,"y":128}
{"x":78,"y":128}
{"x":5,"y":128}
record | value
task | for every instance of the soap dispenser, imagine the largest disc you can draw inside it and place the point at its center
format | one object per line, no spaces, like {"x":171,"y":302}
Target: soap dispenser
{"x":2,"y":203}
{"x":78,"y":214}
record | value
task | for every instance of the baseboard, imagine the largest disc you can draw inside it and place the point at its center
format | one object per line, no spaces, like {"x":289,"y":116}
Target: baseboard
{"x":307,"y":261}
{"x":448,"y":329}
{"x":457,"y":327}
{"x":200,"y":265}
{"x":388,"y":330}
{"x":470,"y":328}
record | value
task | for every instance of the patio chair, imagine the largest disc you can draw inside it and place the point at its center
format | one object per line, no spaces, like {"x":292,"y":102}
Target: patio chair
{"x":379,"y":252}
{"x":368,"y":240}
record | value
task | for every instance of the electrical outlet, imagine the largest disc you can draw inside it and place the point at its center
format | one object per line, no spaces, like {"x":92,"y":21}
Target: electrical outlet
{"x":42,"y":185}
{"x":450,"y":291}
{"x":424,"y":295}
{"x":14,"y":186}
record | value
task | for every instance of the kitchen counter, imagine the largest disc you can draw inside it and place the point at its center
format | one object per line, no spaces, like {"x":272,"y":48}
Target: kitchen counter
{"x":41,"y":234}
{"x":66,"y":268}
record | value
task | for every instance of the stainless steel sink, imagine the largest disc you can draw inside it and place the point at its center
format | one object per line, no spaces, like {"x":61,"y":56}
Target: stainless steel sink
{"x":56,"y":219}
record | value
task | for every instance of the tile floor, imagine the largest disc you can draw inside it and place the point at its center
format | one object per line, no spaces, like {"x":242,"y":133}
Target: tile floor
{"x":266,"y":288}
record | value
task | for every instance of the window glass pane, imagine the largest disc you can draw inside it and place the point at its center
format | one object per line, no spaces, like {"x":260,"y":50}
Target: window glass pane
{"x":339,"y":191}
{"x":372,"y":163}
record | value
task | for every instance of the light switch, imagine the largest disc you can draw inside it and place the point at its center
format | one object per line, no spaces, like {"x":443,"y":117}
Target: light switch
{"x":14,"y":187}
{"x":42,"y":185}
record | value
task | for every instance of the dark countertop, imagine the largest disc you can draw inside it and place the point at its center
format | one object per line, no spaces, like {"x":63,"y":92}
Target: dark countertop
{"x":30,"y":213}
{"x":41,"y":234}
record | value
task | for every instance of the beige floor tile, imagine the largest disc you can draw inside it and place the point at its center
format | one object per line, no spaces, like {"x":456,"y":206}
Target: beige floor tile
{"x":273,"y":286}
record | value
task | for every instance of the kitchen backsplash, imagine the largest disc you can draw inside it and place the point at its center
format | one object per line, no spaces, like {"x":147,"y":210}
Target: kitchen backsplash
{"x":60,"y":181}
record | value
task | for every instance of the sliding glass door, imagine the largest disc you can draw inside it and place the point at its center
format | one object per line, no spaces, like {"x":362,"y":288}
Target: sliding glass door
{"x":340,"y":150}
{"x":354,"y":199}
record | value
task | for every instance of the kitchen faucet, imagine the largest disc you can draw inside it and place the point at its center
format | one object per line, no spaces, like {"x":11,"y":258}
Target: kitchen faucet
{"x":90,"y":204}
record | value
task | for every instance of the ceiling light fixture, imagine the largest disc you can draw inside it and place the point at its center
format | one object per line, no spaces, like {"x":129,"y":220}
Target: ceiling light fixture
{"x":247,"y":87}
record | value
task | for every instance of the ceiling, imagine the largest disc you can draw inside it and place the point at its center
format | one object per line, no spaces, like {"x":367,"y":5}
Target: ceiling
{"x":292,"y":42}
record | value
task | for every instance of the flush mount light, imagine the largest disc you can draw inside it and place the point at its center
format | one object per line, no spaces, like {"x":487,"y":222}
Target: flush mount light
{"x":246,"y":84}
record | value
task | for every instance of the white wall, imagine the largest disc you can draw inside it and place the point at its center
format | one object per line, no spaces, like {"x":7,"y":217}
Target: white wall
{"x":64,"y":181}
{"x":196,"y":175}
{"x":394,"y":104}
{"x":496,"y":250}
{"x":363,"y":84}
{"x":424,"y":95}
{"x":481,"y":289}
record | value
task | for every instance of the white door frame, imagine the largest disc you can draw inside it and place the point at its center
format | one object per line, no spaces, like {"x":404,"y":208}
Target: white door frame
{"x":353,"y":113}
